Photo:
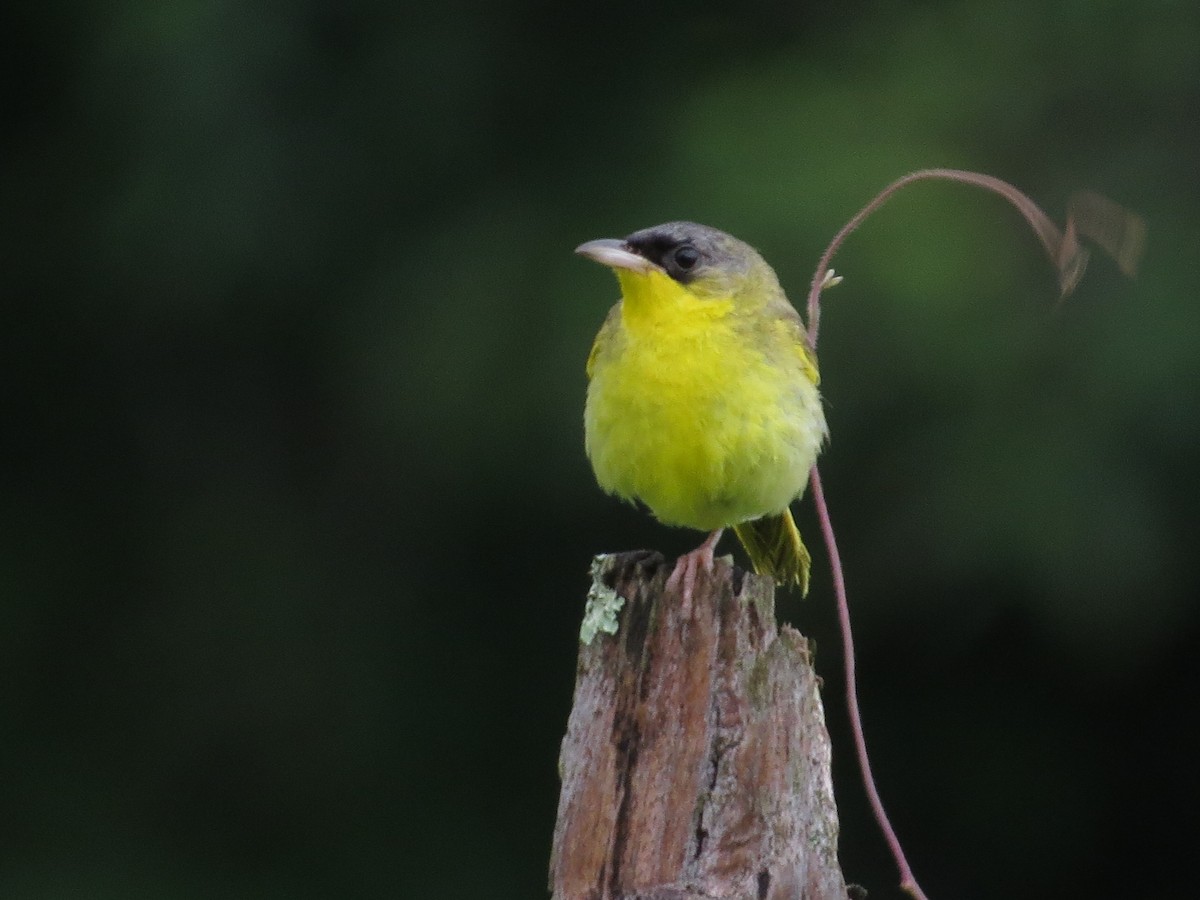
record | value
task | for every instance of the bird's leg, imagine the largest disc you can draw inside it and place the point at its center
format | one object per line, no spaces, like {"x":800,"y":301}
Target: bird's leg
{"x":688,"y":566}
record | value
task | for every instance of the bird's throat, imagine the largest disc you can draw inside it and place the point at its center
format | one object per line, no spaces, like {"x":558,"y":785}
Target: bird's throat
{"x":653,"y":300}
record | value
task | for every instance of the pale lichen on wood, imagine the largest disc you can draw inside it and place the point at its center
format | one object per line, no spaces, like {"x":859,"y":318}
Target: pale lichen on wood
{"x":696,"y":760}
{"x":603,"y":605}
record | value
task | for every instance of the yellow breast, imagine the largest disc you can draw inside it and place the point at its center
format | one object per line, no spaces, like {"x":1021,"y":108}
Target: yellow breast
{"x":706,"y":412}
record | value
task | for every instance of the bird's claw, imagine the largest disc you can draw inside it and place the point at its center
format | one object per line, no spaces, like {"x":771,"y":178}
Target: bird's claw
{"x":688,"y":567}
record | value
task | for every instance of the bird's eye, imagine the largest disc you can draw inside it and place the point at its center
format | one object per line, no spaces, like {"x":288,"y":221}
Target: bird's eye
{"x":686,"y":257}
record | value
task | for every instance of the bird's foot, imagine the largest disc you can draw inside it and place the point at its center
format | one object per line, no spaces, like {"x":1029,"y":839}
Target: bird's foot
{"x":688,"y":567}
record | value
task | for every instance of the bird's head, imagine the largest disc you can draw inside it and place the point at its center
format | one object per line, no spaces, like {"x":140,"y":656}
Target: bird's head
{"x":681,"y":260}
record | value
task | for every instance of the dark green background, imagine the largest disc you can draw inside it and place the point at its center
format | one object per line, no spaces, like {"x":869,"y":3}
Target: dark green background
{"x":294,"y":514}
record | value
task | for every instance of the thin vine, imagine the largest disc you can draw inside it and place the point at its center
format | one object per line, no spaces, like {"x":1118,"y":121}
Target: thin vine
{"x":1114,"y":229}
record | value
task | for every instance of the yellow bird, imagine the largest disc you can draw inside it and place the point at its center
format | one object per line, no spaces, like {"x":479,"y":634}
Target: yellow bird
{"x":702,"y":398}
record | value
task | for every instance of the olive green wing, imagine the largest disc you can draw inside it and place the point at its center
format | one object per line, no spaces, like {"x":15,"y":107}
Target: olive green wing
{"x":790,"y":328}
{"x":606,"y":339}
{"x":808,"y":358}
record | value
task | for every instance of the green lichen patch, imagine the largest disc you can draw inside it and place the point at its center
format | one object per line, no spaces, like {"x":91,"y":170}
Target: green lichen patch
{"x":603,"y":605}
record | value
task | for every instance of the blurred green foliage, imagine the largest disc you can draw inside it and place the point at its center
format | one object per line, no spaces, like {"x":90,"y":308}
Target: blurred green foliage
{"x":295,"y":519}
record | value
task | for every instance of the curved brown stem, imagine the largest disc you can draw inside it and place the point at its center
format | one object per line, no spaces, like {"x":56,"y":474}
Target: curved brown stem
{"x":1119,"y":232}
{"x":1116,"y":230}
{"x":907,"y":881}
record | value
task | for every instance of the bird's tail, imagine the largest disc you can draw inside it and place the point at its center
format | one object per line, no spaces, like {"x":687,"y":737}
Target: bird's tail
{"x":775,"y":549}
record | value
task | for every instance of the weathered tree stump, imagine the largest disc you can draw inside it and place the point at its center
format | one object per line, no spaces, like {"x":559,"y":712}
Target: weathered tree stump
{"x":696,"y":760}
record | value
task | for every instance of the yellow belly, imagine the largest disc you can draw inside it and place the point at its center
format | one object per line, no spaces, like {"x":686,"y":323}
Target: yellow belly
{"x":702,"y":426}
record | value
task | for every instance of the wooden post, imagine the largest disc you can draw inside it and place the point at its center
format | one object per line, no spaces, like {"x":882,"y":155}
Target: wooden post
{"x":696,"y":760}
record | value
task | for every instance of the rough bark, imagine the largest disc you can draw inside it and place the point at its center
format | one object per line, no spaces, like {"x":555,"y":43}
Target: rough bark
{"x":696,"y":760}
